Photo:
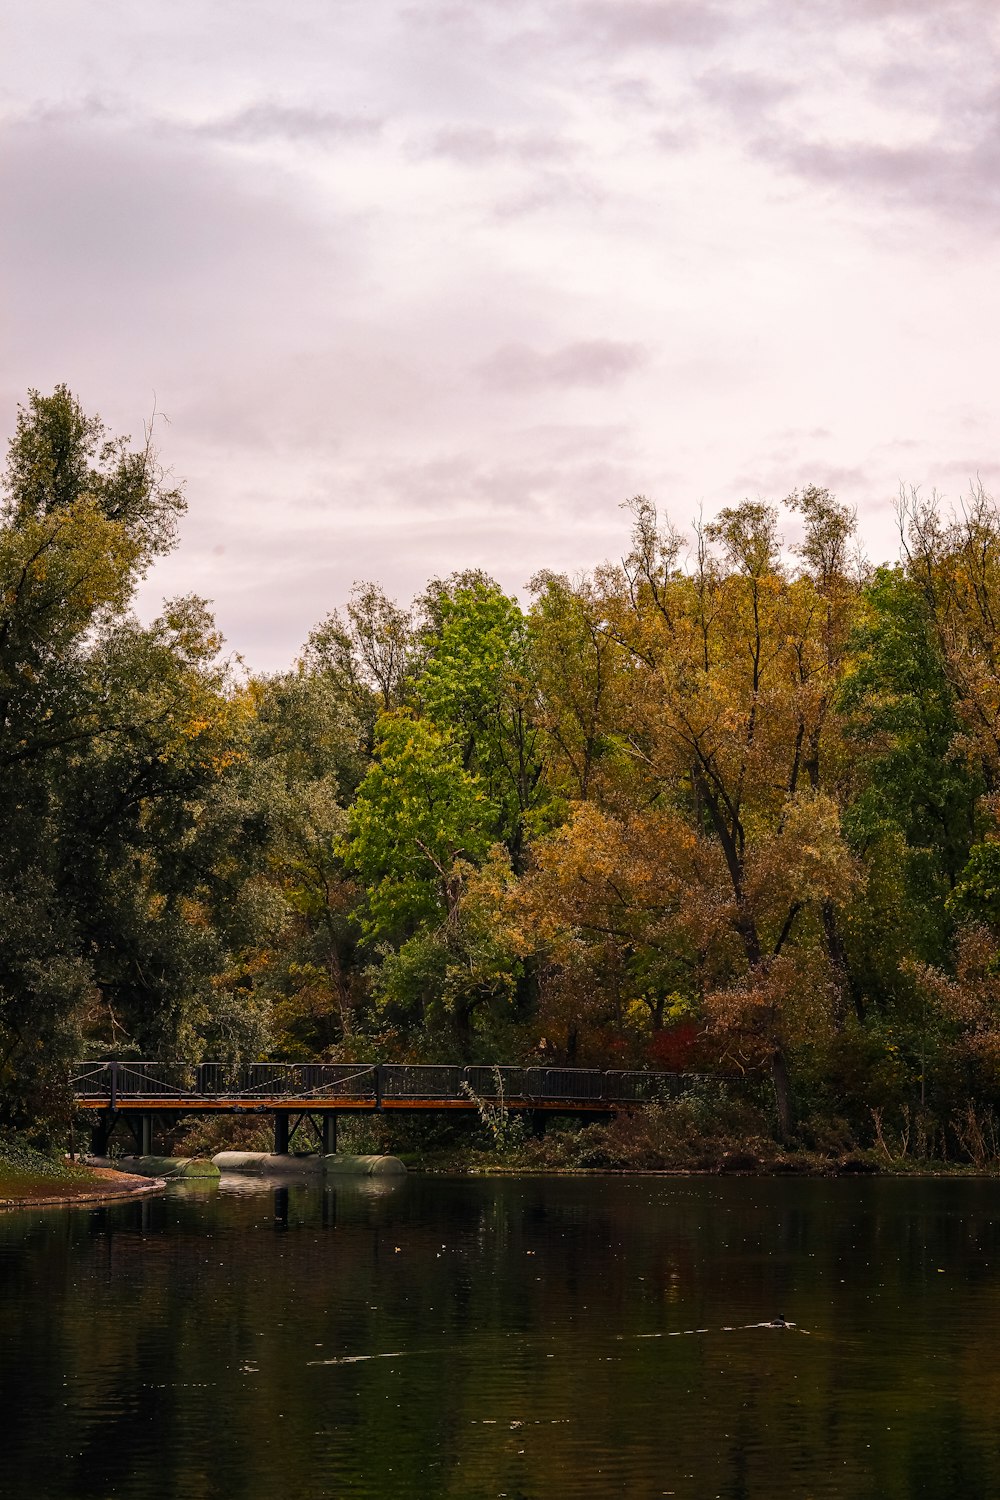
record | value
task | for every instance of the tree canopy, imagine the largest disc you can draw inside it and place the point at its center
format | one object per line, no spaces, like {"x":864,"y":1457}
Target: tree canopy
{"x":726,"y":801}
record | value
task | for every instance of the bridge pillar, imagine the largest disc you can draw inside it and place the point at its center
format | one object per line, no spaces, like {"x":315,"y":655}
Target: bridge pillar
{"x":100,"y":1134}
{"x":146,"y":1145}
{"x":329,"y":1132}
{"x":281,"y":1132}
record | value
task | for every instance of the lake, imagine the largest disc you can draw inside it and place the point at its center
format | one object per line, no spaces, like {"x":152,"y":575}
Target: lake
{"x":474,"y":1337}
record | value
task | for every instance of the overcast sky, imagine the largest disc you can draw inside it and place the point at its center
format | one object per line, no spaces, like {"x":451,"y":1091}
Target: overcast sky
{"x":425,"y":286}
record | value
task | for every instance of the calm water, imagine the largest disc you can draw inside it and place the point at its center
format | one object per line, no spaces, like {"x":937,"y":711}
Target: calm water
{"x":533,"y":1338}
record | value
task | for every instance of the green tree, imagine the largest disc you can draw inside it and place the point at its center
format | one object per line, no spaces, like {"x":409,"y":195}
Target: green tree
{"x":116,"y":742}
{"x":417,"y":814}
{"x":911,"y":813}
{"x":420,"y":831}
{"x":304,"y":759}
{"x":478,"y":687}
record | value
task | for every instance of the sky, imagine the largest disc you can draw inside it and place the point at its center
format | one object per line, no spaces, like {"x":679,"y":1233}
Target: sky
{"x":414,"y":287}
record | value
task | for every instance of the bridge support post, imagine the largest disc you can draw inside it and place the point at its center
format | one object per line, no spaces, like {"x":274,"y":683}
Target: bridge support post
{"x":100,"y":1133}
{"x":281,"y":1132}
{"x":146,"y":1144}
{"x":329,"y":1132}
{"x":538,"y":1118}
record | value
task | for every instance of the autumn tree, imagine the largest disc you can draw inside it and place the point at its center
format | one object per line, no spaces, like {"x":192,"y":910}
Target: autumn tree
{"x":576,"y":664}
{"x":728,"y":675}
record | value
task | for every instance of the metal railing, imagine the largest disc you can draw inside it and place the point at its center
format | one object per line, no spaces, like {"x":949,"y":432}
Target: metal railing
{"x":187,"y":1083}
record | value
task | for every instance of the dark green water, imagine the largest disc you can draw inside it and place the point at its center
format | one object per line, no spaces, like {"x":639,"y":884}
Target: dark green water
{"x":518,"y":1338}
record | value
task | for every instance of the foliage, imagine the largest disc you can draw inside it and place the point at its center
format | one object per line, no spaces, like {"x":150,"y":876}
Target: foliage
{"x":419,"y":815}
{"x":724,"y":804}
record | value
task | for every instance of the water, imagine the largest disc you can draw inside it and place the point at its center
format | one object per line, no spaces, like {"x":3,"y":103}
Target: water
{"x":519,"y":1338}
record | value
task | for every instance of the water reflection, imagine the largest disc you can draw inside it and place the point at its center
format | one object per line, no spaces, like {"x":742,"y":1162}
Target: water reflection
{"x":408,"y":1337}
{"x":243,"y":1185}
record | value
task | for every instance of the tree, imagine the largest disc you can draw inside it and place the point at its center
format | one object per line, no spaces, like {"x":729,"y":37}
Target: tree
{"x":911,"y":806}
{"x":59,"y":456}
{"x":576,"y":666}
{"x":419,"y":828}
{"x":368,"y":653}
{"x":120,"y":879}
{"x":477,"y":686}
{"x":304,"y":759}
{"x":417,"y":814}
{"x":725,"y":678}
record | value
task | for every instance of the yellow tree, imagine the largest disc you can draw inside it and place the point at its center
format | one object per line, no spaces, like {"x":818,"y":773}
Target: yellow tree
{"x":732,"y":667}
{"x":576,"y":670}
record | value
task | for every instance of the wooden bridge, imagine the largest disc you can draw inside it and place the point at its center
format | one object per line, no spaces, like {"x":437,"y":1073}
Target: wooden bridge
{"x":295,"y":1092}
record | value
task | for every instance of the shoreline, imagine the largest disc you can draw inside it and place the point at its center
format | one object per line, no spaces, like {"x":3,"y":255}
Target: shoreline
{"x":105,"y":1186}
{"x":958,"y":1173}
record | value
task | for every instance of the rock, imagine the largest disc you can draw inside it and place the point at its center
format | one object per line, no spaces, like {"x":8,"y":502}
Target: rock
{"x":363,"y":1166}
{"x":266,"y":1163}
{"x":170,"y":1167}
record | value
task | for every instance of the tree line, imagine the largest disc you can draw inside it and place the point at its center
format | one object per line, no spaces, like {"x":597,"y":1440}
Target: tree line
{"x":724,"y":804}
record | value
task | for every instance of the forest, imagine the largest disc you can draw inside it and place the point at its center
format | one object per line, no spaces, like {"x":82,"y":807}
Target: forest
{"x":723,"y":806}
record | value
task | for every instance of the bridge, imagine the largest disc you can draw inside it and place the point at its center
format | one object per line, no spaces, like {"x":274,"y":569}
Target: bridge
{"x":295,"y":1092}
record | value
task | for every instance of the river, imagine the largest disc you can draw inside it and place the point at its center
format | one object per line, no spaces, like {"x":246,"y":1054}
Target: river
{"x":520,"y":1338}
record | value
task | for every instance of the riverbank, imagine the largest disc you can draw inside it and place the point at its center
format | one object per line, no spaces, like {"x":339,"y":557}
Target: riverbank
{"x":803,"y":1168}
{"x":35,"y":1179}
{"x":704,"y":1133}
{"x":679,"y":1139}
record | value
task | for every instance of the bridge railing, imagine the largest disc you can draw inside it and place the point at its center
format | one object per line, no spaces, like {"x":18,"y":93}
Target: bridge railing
{"x":497,"y":1082}
{"x":163,"y":1082}
{"x":641,"y":1088}
{"x":580,"y":1084}
{"x":180,"y":1081}
{"x":420,"y":1081}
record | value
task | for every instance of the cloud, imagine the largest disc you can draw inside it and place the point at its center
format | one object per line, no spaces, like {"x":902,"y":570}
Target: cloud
{"x":552,"y":193}
{"x":476,"y":145}
{"x":356,"y":253}
{"x":270,"y":120}
{"x":286,"y":558}
{"x":745,"y":95}
{"x":783,"y":473}
{"x":947,"y":179}
{"x":137,"y":264}
{"x":588,"y":362}
{"x":877,"y":12}
{"x":262,"y":120}
{"x":643,"y":24}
